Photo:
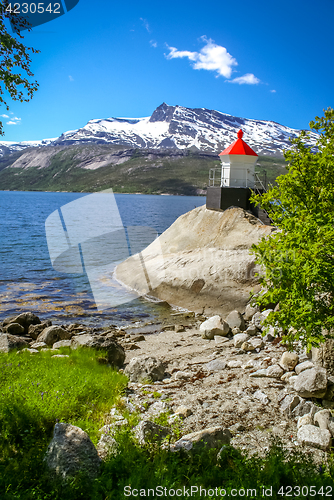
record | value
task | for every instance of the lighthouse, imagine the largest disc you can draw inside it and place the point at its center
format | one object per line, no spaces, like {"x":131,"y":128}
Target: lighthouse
{"x":236,"y":177}
{"x":238,"y":164}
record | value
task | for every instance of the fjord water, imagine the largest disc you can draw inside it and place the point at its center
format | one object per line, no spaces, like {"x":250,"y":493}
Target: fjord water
{"x":28,"y":281}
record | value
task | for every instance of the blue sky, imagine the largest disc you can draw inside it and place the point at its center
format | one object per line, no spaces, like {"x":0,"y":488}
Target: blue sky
{"x":261,"y":59}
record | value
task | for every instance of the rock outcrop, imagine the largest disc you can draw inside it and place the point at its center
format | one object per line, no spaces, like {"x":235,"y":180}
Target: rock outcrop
{"x":202,"y":261}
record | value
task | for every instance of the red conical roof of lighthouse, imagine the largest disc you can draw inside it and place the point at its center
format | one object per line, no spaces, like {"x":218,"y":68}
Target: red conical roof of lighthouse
{"x":239,"y":147}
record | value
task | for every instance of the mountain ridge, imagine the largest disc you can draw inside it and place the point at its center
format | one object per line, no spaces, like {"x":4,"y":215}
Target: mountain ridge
{"x":175,"y":127}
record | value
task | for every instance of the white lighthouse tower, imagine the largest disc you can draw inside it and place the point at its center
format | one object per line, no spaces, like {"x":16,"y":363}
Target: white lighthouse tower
{"x":238,"y":164}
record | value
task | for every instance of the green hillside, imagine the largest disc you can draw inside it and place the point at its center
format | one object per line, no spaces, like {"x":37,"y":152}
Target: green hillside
{"x":73,"y":168}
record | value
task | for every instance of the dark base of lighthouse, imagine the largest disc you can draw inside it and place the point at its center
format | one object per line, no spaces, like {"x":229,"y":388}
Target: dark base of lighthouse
{"x":221,"y":198}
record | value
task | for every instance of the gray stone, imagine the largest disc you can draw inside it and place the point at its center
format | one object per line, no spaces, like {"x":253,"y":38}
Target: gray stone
{"x":259,"y":318}
{"x":239,"y":339}
{"x":286,"y":377}
{"x":305,"y":420}
{"x":212,"y":437}
{"x":252,"y":330}
{"x":274,"y":371}
{"x":183,"y":411}
{"x":250,"y":311}
{"x":322,"y":419}
{"x":181,"y":375}
{"x":235,"y":330}
{"x":247,"y":347}
{"x":306,"y":365}
{"x":257,"y":342}
{"x":288,"y":404}
{"x":38,"y":345}
{"x":71,"y":451}
{"x":145,"y":368}
{"x":53,"y":334}
{"x":234,"y":364}
{"x":62,"y":343}
{"x":14,"y":329}
{"x":215,"y":365}
{"x":261,"y":396}
{"x":35,"y":330}
{"x":24,"y":319}
{"x":235,"y":320}
{"x":10,"y":342}
{"x":270,"y":334}
{"x":311,"y":383}
{"x":158,"y":407}
{"x":214,"y":326}
{"x":313,"y":436}
{"x":304,"y":408}
{"x":147,"y":431}
{"x":288,"y":361}
{"x":106,"y":446}
{"x":259,"y":373}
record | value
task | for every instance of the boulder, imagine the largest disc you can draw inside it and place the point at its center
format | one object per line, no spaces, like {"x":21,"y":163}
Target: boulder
{"x":304,"y":408}
{"x":145,"y":368}
{"x":115,"y":352}
{"x":236,"y":320}
{"x":147,"y":431}
{"x":322,"y":419}
{"x":35,"y":330}
{"x":200,"y":261}
{"x":250,"y":311}
{"x":53,"y":334}
{"x":239,"y":339}
{"x":10,"y":342}
{"x":311,"y":383}
{"x":71,"y":451}
{"x":289,"y":402}
{"x":214,"y":326}
{"x":14,"y":329}
{"x":288,"y":361}
{"x":314,"y":436}
{"x":275,"y":371}
{"x":212,"y":437}
{"x":306,"y":365}
{"x":24,"y":319}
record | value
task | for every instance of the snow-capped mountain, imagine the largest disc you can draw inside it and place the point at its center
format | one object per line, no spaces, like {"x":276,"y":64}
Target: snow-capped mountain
{"x":183,"y":128}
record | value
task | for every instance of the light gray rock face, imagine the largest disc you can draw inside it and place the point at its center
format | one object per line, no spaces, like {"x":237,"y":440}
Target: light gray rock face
{"x":275,"y":371}
{"x":24,"y":319}
{"x":145,"y":368}
{"x":71,"y":451}
{"x":289,"y":403}
{"x":324,"y":356}
{"x":147,"y":431}
{"x":216,"y":365}
{"x":311,"y":383}
{"x":35,"y":330}
{"x":322,"y":419}
{"x":314,"y":436}
{"x":212,"y":437}
{"x":288,"y":361}
{"x":14,"y":329}
{"x":10,"y":342}
{"x":250,"y":311}
{"x":106,"y":446}
{"x":306,"y":365}
{"x":214,"y":326}
{"x":239,"y":339}
{"x":53,"y":334}
{"x":115,"y":352}
{"x":62,"y":343}
{"x":235,"y":320}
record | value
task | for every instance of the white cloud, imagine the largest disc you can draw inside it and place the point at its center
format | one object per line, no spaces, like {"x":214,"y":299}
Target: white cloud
{"x":13,"y":121}
{"x":273,"y":91}
{"x":211,"y":57}
{"x":4,"y":116}
{"x":71,"y":79}
{"x":248,"y":79}
{"x":153,"y":43}
{"x":145,"y":24}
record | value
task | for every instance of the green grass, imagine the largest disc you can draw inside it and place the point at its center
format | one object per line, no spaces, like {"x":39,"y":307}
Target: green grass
{"x":36,"y":391}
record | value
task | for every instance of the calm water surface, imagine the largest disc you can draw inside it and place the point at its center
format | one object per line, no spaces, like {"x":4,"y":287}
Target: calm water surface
{"x":28,"y":281}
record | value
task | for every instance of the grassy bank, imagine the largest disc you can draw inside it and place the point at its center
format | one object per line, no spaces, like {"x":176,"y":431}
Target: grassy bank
{"x":37,"y":391}
{"x":76,"y":168}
